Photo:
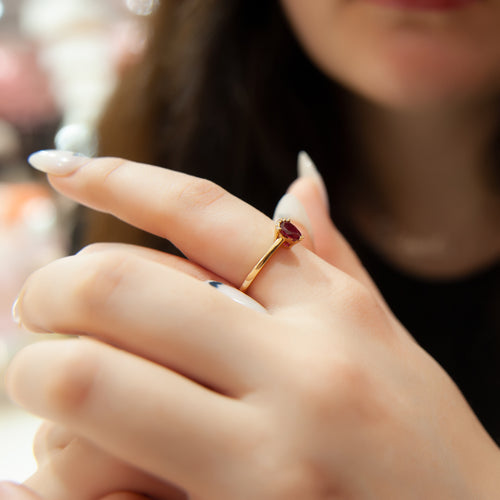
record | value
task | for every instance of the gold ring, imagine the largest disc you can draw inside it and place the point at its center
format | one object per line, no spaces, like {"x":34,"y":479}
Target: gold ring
{"x":286,"y":235}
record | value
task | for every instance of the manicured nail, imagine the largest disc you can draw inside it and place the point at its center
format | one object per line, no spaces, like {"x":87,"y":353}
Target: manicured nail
{"x":306,"y":168}
{"x":56,"y":162}
{"x":289,"y":207}
{"x":237,"y":296}
{"x":16,"y":316}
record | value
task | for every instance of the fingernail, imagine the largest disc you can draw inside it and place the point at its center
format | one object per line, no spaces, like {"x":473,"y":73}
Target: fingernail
{"x":289,"y":207}
{"x":237,"y":296}
{"x":16,"y":316}
{"x":56,"y":162}
{"x":306,"y":168}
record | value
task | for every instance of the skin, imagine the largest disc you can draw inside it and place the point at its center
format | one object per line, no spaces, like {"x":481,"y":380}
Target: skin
{"x":405,"y":59}
{"x":325,"y":396}
{"x":424,"y":109}
{"x":413,"y":68}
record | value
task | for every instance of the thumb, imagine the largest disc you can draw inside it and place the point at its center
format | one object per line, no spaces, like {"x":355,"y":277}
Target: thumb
{"x":328,"y":242}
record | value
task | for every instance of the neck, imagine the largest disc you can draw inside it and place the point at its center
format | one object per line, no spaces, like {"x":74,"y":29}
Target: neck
{"x":427,"y":185}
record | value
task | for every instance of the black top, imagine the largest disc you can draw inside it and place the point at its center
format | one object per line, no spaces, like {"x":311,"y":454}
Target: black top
{"x":455,"y":321}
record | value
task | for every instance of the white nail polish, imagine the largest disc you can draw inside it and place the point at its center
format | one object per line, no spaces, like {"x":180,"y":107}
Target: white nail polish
{"x":16,"y":317}
{"x":56,"y":162}
{"x":237,"y":296}
{"x":306,"y":168}
{"x":289,"y":207}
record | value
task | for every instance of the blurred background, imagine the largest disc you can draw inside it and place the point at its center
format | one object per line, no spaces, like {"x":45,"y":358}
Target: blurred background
{"x":59,"y":61}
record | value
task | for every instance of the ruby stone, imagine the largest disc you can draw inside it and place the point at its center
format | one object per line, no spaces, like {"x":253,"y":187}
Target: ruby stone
{"x":289,"y":231}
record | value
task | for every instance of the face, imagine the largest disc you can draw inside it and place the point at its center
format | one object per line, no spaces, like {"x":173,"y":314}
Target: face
{"x":403,"y":53}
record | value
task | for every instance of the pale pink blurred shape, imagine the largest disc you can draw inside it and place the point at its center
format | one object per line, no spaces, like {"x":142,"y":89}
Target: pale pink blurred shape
{"x":30,"y":237}
{"x":25,"y":95}
{"x":128,"y":39}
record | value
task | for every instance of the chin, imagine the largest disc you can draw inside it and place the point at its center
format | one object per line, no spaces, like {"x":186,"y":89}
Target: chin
{"x":428,"y":89}
{"x":404,"y":57}
{"x":424,"y":75}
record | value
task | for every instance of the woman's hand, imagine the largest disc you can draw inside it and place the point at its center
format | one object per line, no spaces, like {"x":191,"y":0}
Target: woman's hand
{"x":324,"y":396}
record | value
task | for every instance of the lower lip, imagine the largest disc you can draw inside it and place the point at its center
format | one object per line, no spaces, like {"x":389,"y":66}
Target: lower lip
{"x":422,"y":5}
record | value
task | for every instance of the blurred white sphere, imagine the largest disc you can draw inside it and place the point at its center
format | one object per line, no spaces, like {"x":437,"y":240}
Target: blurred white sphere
{"x":77,"y":137}
{"x":142,"y":7}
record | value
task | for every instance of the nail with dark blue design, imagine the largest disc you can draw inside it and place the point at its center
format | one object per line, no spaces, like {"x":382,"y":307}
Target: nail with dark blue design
{"x":237,"y":296}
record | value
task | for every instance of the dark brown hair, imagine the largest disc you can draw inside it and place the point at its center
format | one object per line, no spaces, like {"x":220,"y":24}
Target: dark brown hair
{"x":223,"y":92}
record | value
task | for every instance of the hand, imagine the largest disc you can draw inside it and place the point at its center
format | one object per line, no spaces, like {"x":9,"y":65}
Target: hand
{"x":326,"y":395}
{"x":69,"y":466}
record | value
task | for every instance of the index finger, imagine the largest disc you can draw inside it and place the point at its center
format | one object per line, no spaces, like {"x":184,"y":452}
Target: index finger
{"x":208,"y":224}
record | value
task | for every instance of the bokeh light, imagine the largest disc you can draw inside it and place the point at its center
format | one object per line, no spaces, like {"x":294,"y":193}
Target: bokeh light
{"x":142,"y":7}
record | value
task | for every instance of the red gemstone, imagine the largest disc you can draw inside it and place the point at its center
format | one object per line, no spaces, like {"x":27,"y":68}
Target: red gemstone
{"x":289,"y":231}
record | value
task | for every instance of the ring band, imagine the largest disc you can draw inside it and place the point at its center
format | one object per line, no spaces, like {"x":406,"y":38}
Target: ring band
{"x":286,"y":234}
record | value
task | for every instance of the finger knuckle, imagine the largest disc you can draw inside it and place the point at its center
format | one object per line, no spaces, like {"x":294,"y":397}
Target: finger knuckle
{"x":335,"y":386}
{"x":105,"y":168}
{"x":355,"y":296}
{"x":200,"y":193}
{"x":292,"y":475}
{"x":360,"y":304}
{"x":299,"y":481}
{"x":104,"y":277}
{"x":72,"y":378}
